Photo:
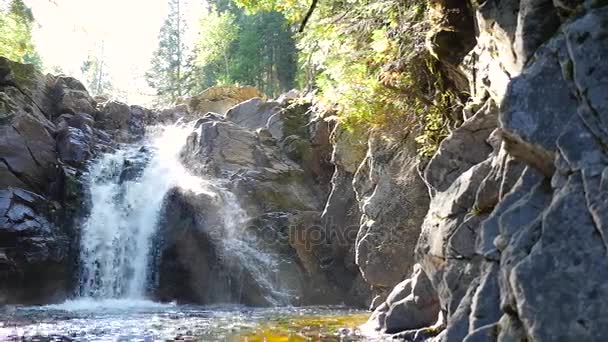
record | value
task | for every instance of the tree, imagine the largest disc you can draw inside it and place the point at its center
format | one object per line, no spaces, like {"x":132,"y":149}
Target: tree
{"x":95,"y":74}
{"x":168,"y":63}
{"x":16,"y":22}
{"x":218,"y":31}
{"x":256,"y":49}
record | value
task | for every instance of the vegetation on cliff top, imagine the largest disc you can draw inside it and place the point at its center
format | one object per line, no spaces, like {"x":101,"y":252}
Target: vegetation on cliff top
{"x":16,"y":21}
{"x":368,"y":61}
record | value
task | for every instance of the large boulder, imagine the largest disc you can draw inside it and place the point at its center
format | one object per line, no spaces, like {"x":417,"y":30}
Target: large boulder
{"x":220,"y":99}
{"x":264,"y":178}
{"x":411,"y":305}
{"x":35,"y":265}
{"x":70,"y":96}
{"x":125,"y":123}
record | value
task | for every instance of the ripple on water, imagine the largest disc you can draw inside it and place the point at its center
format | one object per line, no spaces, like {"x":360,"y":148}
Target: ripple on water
{"x":120,"y":320}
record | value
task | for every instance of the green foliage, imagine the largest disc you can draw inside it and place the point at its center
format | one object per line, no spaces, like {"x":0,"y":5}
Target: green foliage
{"x":218,"y":31}
{"x":169,"y":63}
{"x":96,"y":76}
{"x":367,"y":59}
{"x":292,"y":9}
{"x":16,"y":21}
{"x":250,"y":49}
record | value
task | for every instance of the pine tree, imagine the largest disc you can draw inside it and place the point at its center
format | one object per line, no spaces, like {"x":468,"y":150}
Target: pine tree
{"x":167,"y":73}
{"x":95,"y":74}
{"x":16,"y":22}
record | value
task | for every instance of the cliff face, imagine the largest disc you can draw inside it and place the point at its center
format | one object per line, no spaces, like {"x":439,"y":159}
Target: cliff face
{"x":500,"y":236}
{"x":49,"y":128}
{"x":513,"y":242}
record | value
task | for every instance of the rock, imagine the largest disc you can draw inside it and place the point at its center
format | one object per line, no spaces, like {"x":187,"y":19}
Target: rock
{"x":32,"y":250}
{"x":25,"y":87}
{"x":70,"y":96}
{"x":526,"y":139}
{"x":221,"y":99}
{"x":465,"y":147}
{"x":261,"y":175}
{"x":412,"y":304}
{"x":137,"y":121}
{"x":393,"y":201}
{"x":289,"y":96}
{"x":527,"y":261}
{"x":27,"y":154}
{"x":187,"y":258}
{"x":257,"y":113}
{"x":73,"y":146}
{"x":114,"y":115}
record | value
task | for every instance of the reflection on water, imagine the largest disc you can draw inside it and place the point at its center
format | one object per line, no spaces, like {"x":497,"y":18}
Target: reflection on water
{"x":126,"y":320}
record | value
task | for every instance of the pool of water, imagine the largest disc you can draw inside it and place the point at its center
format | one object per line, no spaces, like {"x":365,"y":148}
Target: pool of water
{"x":120,"y":320}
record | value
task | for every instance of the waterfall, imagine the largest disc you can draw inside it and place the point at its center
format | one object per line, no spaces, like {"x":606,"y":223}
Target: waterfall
{"x":127,"y":189}
{"x":117,"y":235}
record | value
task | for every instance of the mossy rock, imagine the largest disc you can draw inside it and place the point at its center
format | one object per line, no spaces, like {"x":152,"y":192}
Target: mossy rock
{"x":297,"y":149}
{"x":13,"y":73}
{"x":295,"y":120}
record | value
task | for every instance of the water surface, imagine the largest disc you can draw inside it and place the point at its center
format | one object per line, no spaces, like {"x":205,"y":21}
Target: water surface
{"x":129,"y":320}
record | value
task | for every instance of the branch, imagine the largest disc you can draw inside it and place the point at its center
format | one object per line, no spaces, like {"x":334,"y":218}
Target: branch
{"x":308,"y":15}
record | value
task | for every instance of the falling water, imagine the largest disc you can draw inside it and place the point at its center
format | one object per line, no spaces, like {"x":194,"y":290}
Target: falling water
{"x":242,"y":249}
{"x":116,"y":238}
{"x":127,"y":189}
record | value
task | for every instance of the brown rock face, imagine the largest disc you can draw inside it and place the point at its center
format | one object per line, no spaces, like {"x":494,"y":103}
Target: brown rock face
{"x":221,"y":99}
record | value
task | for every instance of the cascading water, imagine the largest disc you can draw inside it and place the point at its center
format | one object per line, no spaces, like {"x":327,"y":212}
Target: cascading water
{"x":116,"y":238}
{"x":127,"y":190}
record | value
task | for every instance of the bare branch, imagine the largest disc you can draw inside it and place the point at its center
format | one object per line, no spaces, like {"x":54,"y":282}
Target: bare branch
{"x":308,"y":15}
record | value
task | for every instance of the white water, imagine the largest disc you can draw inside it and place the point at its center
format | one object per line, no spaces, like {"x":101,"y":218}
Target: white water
{"x":117,"y":236}
{"x":262,"y":266}
{"x":116,"y":240}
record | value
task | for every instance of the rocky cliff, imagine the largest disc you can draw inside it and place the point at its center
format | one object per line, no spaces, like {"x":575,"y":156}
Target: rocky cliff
{"x":499,"y":236}
{"x":513,"y":243}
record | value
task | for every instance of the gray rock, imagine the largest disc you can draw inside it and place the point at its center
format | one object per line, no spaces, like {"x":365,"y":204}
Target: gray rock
{"x":393,"y":201}
{"x":74,"y":146}
{"x":70,"y":96}
{"x":35,"y":254}
{"x":257,"y":113}
{"x":411,"y":305}
{"x":465,"y":147}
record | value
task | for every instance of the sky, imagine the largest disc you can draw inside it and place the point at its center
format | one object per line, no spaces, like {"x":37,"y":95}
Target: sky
{"x":68,"y":31}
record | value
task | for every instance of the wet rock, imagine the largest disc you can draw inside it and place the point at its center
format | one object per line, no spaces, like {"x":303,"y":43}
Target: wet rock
{"x":73,"y":146}
{"x":31,"y":249}
{"x":263,"y":177}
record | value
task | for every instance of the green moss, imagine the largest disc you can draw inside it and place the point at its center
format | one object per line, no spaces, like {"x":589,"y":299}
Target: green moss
{"x":295,"y":120}
{"x":23,"y":75}
{"x":298,"y":149}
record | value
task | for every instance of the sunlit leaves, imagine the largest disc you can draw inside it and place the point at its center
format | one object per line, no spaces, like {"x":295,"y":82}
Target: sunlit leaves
{"x":16,"y":22}
{"x":367,"y":60}
{"x":218,"y":30}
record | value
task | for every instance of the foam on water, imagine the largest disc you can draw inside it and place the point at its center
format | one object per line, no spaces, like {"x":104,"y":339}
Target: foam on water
{"x":117,"y":237}
{"x":97,"y":305}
